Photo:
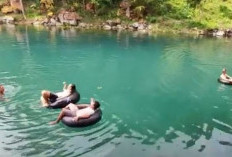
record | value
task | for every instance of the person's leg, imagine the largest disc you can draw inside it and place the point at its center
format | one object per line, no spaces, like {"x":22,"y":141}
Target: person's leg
{"x":45,"y":98}
{"x":43,"y":102}
{"x":72,"y":107}
{"x":64,"y":112}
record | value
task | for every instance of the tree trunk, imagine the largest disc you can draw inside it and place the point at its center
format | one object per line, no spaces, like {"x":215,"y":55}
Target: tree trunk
{"x":83,"y":3}
{"x":18,"y":5}
{"x":128,"y":12}
{"x":21,"y":3}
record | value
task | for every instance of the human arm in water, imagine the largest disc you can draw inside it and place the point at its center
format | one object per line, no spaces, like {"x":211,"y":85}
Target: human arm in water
{"x":65,"y":86}
{"x":64,"y":93}
{"x":227,"y":76}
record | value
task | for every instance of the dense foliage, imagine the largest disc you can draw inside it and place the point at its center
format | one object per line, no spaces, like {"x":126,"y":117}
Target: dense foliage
{"x":178,"y":13}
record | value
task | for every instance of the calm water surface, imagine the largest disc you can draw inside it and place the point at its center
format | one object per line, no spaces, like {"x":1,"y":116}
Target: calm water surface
{"x":159,"y":94}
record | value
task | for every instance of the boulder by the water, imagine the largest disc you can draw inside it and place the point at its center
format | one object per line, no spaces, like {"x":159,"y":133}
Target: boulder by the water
{"x":52,"y":22}
{"x":141,"y":27}
{"x":36,"y":23}
{"x":119,"y":27}
{"x":107,"y":27}
{"x":138,"y":26}
{"x":113,"y":22}
{"x":219,"y":33}
{"x":82,"y":25}
{"x":7,"y":20}
{"x":135,"y":25}
{"x":214,"y":32}
{"x":70,"y":18}
{"x":228,"y":33}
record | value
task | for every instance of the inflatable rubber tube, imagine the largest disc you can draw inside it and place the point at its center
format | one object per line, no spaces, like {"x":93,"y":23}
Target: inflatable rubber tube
{"x":83,"y":122}
{"x":225,"y":82}
{"x":60,"y":103}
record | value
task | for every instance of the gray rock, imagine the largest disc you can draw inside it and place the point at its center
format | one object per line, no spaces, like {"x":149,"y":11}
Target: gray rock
{"x":36,"y":23}
{"x":107,"y":27}
{"x":52,"y":22}
{"x":113,"y":22}
{"x":70,"y":18}
{"x":141,"y":27}
{"x":135,"y":25}
{"x":119,"y":27}
{"x":219,"y":33}
{"x":8,"y":19}
{"x":114,"y":28}
{"x":72,"y":22}
{"x":82,"y":25}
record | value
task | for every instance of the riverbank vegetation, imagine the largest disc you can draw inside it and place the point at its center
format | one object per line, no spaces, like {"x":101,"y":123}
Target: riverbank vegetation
{"x":165,"y":14}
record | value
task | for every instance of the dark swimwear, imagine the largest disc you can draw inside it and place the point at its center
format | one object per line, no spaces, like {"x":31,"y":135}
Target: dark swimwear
{"x":53,"y":97}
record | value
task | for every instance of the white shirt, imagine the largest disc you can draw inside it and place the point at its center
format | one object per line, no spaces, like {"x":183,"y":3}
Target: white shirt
{"x":85,"y":112}
{"x":63,"y":94}
{"x":224,"y":78}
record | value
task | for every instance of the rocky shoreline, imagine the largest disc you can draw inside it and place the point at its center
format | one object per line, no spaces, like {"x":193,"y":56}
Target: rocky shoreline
{"x":60,"y":21}
{"x":71,"y":19}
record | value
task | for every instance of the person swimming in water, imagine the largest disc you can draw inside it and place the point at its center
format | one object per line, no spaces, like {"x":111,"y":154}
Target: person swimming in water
{"x":81,"y":111}
{"x":224,"y":77}
{"x":2,"y":92}
{"x":48,"y":97}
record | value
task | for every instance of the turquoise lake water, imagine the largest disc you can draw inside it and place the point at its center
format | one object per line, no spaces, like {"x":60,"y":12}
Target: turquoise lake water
{"x":159,"y":94}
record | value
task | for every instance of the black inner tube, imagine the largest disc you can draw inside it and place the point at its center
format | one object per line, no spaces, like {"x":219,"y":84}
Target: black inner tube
{"x":60,"y":103}
{"x":83,"y":122}
{"x":226,"y":83}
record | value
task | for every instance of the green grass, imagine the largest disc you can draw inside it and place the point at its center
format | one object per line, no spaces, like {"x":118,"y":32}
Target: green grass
{"x":214,"y":14}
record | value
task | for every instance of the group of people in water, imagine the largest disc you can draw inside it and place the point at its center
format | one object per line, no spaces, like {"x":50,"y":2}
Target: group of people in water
{"x":80,"y":111}
{"x":83,"y":111}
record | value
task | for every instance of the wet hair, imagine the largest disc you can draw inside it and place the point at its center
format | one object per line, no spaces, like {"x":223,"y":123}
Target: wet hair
{"x":96,"y":105}
{"x":73,"y":87}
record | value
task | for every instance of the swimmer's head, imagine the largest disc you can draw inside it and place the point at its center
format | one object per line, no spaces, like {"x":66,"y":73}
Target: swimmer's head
{"x":2,"y":90}
{"x":224,"y":70}
{"x":71,"y":88}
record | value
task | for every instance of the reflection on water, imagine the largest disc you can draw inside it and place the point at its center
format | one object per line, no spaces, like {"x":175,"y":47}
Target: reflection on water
{"x":158,"y":93}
